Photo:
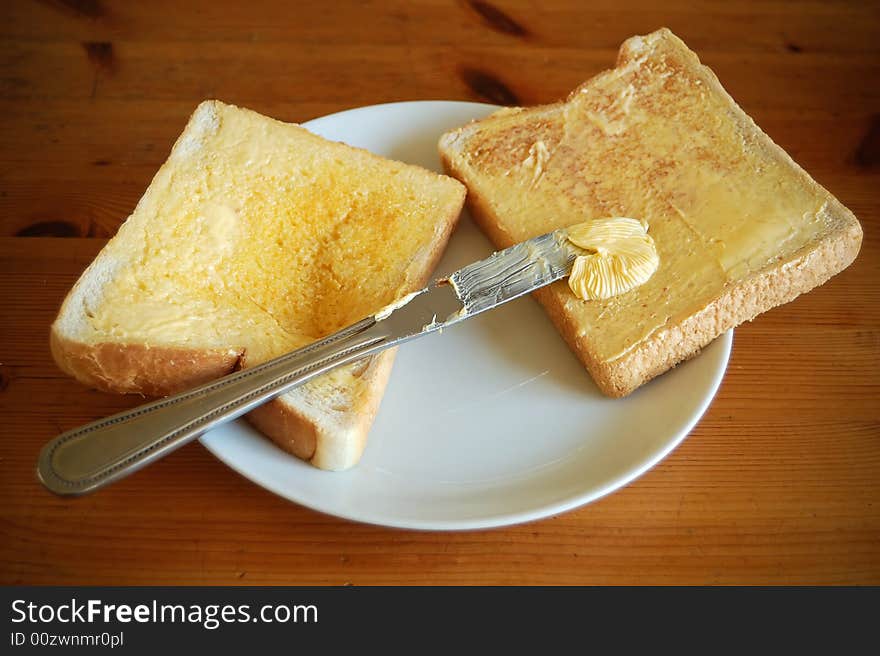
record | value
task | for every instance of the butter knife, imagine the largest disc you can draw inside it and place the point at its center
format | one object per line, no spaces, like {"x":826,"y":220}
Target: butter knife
{"x":89,"y":457}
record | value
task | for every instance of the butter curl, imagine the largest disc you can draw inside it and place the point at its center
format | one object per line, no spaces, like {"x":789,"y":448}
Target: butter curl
{"x":620,"y":256}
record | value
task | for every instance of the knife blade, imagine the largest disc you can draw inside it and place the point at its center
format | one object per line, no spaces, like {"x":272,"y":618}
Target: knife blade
{"x":89,"y":457}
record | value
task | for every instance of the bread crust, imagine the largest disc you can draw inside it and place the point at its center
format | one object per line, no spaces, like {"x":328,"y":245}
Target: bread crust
{"x":740,"y":301}
{"x":138,"y":368}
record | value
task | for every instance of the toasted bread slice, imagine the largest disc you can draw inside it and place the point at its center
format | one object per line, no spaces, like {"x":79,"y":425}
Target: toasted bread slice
{"x":740,"y":228}
{"x":254,"y":238}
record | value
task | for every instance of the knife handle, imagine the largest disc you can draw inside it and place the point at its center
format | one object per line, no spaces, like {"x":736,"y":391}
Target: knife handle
{"x":92,"y":456}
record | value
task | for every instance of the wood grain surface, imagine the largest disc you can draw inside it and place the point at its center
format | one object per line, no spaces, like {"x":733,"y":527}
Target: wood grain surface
{"x":780,"y":481}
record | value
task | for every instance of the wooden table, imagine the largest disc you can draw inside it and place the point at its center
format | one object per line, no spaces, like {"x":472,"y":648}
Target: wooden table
{"x":779,"y":483}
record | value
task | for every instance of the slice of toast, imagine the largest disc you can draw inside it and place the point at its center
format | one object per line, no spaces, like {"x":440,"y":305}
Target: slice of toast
{"x":254,"y":238}
{"x":740,"y":228}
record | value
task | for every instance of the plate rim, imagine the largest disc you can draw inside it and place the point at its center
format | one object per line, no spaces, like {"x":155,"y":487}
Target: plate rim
{"x":725,"y":341}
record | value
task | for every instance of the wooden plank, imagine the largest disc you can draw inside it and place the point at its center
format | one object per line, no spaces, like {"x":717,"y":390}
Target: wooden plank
{"x":181,"y":70}
{"x":727,"y":26}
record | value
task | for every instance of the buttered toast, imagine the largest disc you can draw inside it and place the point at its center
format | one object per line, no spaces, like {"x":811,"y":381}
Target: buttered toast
{"x":257,"y":237}
{"x":739,"y":227}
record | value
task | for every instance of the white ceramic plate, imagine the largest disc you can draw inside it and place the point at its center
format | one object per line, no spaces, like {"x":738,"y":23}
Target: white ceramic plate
{"x":493,"y":422}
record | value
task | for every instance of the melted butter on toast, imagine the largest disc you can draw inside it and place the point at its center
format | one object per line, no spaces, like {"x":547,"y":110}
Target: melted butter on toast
{"x":659,"y":139}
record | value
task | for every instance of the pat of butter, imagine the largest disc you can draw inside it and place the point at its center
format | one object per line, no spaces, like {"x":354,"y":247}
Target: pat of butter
{"x":621,"y":255}
{"x":537,"y":160}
